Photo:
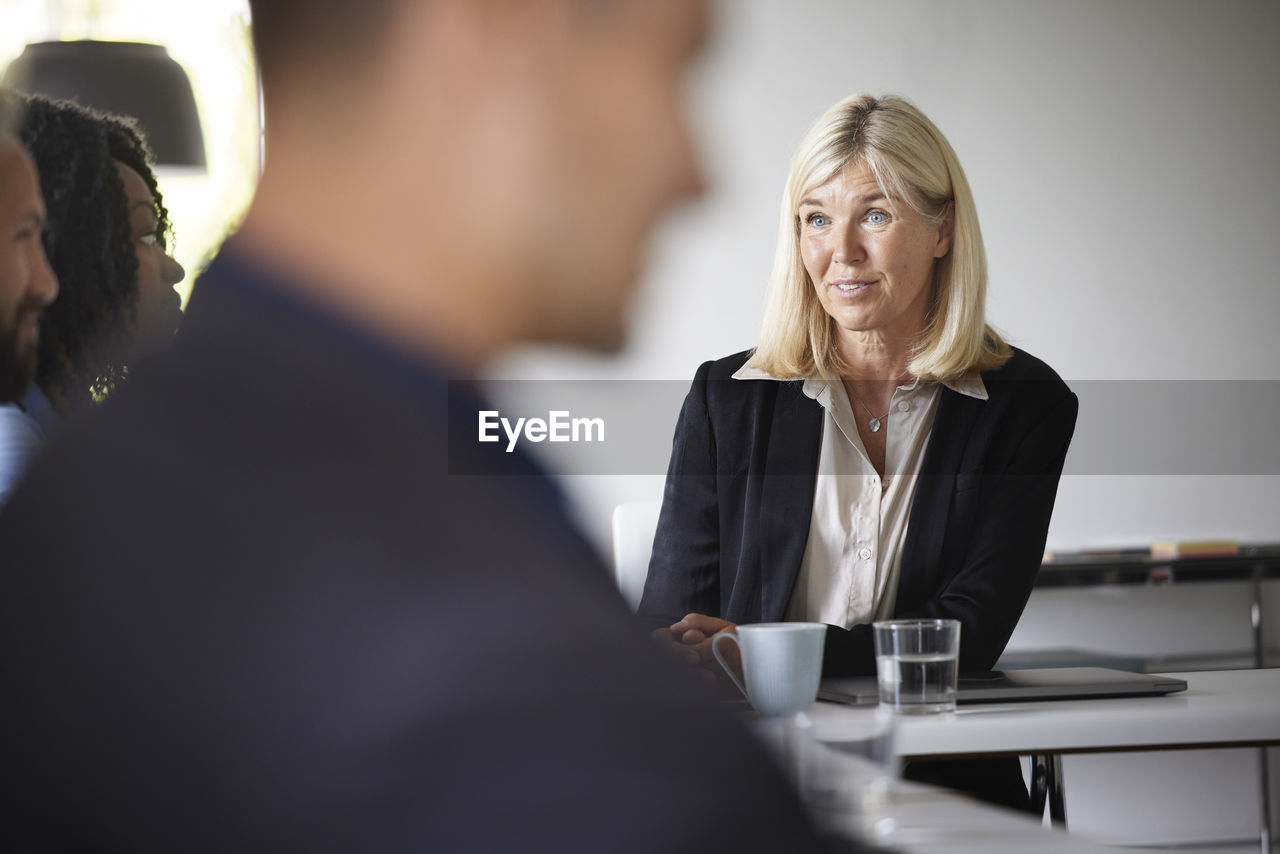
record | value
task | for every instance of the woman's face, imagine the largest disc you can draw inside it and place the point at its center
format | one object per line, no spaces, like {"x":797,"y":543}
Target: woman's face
{"x":159,"y":307}
{"x":870,"y":257}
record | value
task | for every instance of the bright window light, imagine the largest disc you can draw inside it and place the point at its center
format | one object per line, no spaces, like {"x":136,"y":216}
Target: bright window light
{"x":210,"y":39}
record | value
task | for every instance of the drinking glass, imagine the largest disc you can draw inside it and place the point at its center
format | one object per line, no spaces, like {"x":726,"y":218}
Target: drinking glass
{"x":916,"y":662}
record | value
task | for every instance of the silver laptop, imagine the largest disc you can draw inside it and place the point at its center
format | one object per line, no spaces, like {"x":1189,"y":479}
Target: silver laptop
{"x":1014,"y":686}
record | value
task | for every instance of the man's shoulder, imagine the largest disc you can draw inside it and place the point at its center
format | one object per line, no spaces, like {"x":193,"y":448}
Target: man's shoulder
{"x":20,"y":440}
{"x":16,"y":425}
{"x":248,"y":428}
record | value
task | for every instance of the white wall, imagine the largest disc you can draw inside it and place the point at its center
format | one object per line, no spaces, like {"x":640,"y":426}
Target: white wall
{"x":1124,"y":159}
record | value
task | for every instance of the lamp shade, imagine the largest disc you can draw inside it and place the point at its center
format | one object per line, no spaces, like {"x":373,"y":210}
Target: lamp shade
{"x":133,"y":79}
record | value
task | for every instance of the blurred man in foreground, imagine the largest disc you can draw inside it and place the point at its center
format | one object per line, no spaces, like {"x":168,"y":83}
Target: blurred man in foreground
{"x":27,"y":284}
{"x":247,"y":606}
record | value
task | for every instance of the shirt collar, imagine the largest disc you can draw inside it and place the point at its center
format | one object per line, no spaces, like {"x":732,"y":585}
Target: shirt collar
{"x":969,"y":386}
{"x":39,"y":408}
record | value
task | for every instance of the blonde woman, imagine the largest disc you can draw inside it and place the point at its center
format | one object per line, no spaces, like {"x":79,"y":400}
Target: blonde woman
{"x":882,"y":452}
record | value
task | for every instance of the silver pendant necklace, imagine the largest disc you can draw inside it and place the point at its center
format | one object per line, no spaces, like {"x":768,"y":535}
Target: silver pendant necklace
{"x":874,"y":424}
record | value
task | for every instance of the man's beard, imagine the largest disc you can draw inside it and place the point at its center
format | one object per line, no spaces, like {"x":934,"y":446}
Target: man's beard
{"x":17,"y":362}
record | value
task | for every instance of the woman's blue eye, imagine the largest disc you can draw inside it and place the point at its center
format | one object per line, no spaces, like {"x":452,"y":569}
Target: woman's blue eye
{"x":877,"y":217}
{"x":817,"y":219}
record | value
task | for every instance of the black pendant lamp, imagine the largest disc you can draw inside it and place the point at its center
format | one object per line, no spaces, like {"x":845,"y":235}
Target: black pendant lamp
{"x":130,"y":78}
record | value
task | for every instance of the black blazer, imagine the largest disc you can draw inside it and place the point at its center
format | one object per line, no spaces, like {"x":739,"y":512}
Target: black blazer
{"x":739,"y":494}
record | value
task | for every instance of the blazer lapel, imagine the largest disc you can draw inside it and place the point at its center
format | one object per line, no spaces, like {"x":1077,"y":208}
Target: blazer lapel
{"x":786,"y":500}
{"x":926,"y":530}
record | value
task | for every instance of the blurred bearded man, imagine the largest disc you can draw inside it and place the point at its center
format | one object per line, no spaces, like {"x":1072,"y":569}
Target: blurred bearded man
{"x":27,"y":285}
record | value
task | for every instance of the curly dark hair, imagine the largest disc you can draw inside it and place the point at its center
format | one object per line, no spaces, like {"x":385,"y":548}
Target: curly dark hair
{"x":89,"y":243}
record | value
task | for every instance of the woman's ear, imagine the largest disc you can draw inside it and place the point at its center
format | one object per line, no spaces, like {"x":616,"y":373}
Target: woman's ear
{"x":946,"y":231}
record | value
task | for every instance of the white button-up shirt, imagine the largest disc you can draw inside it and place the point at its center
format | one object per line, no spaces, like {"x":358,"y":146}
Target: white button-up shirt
{"x":849,"y":573}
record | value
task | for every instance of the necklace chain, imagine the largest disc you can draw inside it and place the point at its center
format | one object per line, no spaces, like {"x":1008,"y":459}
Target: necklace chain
{"x":874,"y":424}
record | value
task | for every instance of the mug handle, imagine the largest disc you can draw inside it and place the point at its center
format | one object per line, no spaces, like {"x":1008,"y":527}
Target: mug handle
{"x":715,"y":650}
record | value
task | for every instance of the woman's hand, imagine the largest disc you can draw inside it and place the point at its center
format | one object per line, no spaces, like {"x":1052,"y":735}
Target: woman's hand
{"x":698,"y":631}
{"x":690,"y":640}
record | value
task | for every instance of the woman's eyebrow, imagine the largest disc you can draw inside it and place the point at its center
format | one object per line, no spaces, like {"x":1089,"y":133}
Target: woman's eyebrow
{"x":862,"y":200}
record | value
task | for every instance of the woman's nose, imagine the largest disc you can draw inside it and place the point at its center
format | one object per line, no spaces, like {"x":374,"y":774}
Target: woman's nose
{"x":173,"y":271}
{"x":848,"y":248}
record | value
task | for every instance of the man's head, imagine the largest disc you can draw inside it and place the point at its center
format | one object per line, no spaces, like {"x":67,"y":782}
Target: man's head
{"x":27,"y":285}
{"x":514,"y":154}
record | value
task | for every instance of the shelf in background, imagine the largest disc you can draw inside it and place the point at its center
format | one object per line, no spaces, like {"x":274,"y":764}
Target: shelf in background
{"x":1137,"y":566}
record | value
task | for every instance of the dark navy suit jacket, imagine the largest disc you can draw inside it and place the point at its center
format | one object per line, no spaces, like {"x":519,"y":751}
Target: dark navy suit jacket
{"x":255,"y":603}
{"x":739,"y":494}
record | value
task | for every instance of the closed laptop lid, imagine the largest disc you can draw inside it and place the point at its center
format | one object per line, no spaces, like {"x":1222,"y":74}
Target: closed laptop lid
{"x":1009,"y":686}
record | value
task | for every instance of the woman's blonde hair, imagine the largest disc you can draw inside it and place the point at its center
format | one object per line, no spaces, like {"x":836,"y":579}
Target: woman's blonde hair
{"x":913,"y":163}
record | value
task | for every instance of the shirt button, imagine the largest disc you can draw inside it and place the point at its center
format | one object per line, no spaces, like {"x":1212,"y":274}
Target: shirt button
{"x":904,"y":406}
{"x":865,"y":554}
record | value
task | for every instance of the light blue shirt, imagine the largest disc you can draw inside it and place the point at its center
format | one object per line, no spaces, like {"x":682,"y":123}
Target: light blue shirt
{"x":23,"y":427}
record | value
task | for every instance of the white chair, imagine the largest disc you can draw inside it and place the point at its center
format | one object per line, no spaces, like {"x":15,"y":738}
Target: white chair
{"x":633,"y":526}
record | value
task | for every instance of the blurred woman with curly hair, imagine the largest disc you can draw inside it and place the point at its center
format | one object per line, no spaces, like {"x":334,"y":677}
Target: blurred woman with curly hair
{"x":106,"y":239}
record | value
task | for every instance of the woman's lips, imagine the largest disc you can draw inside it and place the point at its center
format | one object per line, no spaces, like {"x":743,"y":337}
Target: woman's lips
{"x":852,"y":287}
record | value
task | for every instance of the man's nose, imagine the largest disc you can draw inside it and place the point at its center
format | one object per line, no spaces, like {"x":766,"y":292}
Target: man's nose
{"x":44,"y":283}
{"x":689,"y":180}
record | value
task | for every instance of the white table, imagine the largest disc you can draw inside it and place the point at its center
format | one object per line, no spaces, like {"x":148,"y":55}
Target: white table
{"x":1220,"y":708}
{"x":926,"y":820}
{"x":1223,"y":708}
{"x":854,"y":797}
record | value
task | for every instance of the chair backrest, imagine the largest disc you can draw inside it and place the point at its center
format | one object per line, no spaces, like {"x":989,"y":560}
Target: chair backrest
{"x":634,"y":524}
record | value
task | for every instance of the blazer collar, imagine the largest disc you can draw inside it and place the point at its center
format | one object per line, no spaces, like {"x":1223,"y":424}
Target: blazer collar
{"x":927,"y":527}
{"x":790,"y":474}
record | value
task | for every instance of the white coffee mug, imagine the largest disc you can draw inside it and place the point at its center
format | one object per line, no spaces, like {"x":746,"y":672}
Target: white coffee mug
{"x":781,"y":664}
